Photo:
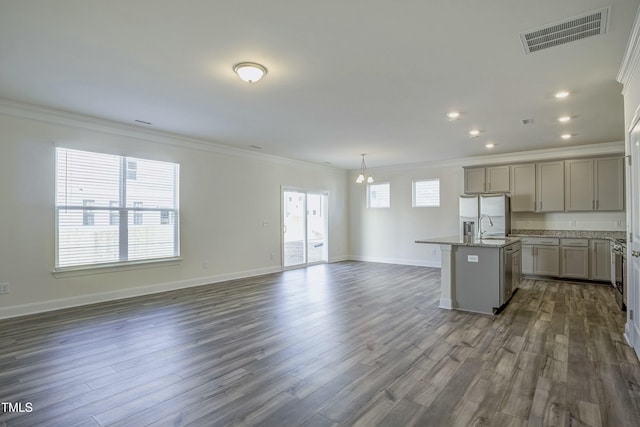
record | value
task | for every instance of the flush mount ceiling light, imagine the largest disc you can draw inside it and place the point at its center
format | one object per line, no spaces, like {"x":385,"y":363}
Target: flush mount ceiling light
{"x":474,"y":133}
{"x":490,"y":145}
{"x":564,"y":119}
{"x":561,"y":94}
{"x":565,"y":136}
{"x":363,"y":173}
{"x":250,"y":72}
{"x":453,"y":115}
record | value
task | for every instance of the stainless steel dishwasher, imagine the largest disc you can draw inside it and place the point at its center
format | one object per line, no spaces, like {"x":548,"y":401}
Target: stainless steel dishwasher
{"x":512,"y":271}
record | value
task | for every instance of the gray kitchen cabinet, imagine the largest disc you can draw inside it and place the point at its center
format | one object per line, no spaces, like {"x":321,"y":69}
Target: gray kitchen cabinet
{"x":549,"y":186}
{"x":578,"y":185}
{"x":600,"y":260}
{"x":527,"y":259}
{"x":574,"y":258}
{"x":493,"y":179}
{"x":497,"y":178}
{"x":540,"y":256}
{"x":609,"y":184}
{"x":523,"y":188}
{"x":594,"y":184}
{"x":474,"y":180}
{"x":546,"y":260}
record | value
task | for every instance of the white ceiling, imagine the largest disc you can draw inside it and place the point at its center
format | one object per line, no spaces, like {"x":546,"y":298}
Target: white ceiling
{"x":345,"y":77}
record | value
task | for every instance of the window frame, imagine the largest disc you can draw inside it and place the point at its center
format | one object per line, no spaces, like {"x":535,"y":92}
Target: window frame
{"x":413,"y":192}
{"x":375,"y":184}
{"x":122,"y":212}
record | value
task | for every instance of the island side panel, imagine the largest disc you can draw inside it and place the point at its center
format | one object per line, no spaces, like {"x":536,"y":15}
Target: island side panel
{"x":477,"y":279}
{"x":447,"y":290}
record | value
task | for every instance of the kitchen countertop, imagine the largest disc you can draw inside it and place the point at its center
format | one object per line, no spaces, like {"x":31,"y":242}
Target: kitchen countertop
{"x":483,"y":243}
{"x":572,"y":234}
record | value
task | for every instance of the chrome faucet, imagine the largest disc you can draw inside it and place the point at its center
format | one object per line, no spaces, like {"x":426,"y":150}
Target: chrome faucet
{"x":480,"y":231}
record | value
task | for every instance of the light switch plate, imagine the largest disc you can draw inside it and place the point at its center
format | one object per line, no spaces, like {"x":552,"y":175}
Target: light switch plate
{"x":472,"y":258}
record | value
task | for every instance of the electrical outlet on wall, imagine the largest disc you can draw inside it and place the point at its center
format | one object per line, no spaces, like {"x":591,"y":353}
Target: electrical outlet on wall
{"x":4,"y":288}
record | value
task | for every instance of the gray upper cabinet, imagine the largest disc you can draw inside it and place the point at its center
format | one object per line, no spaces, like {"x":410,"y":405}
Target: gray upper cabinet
{"x":523,"y":188}
{"x":494,"y":179}
{"x":578,"y":185}
{"x":549,"y":186}
{"x":609,"y":184}
{"x":474,"y":180}
{"x":497,"y":178}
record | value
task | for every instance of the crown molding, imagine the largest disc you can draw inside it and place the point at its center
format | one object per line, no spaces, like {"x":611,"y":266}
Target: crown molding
{"x":575,"y":151}
{"x":631,"y":58}
{"x":64,"y":118}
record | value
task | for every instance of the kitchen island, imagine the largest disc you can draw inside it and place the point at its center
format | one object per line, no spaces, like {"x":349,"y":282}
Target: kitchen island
{"x":477,"y":275}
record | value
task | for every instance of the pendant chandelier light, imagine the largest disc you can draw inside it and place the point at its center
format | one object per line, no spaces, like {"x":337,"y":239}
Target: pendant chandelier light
{"x":363,"y":173}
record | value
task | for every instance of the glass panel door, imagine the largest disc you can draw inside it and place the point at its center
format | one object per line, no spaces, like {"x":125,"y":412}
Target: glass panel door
{"x":304,"y":219}
{"x":316,"y":229}
{"x":295,"y":225}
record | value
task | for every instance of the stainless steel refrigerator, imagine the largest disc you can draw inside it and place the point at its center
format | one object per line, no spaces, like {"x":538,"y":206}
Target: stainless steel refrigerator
{"x":497,"y":207}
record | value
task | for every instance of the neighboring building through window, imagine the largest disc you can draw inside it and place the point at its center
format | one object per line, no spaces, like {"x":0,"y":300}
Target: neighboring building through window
{"x":426,"y":193}
{"x":105,"y":191}
{"x":378,"y":195}
{"x":88,"y":215}
{"x":137,"y":215}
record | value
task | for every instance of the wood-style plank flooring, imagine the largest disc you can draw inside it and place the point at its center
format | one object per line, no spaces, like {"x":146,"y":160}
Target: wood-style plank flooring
{"x":344,"y":344}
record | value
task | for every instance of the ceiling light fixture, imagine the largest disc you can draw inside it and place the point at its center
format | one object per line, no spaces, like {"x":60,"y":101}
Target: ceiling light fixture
{"x":564,"y":119}
{"x":473,"y":133}
{"x":490,"y":145}
{"x":561,"y":94}
{"x":363,"y":173}
{"x":453,"y":115}
{"x":565,"y":136}
{"x":250,"y":72}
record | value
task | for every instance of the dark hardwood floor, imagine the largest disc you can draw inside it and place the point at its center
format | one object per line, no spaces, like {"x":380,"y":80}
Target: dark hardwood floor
{"x":350,"y":343}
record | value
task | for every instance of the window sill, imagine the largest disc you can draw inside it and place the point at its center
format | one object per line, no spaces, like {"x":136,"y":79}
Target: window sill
{"x":86,"y":270}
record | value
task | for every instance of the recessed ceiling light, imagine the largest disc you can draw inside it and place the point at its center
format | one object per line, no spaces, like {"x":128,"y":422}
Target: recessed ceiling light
{"x":490,"y":145}
{"x":453,"y":115}
{"x":564,"y":119}
{"x":250,"y":72}
{"x":473,"y":133}
{"x":565,"y":136}
{"x":561,"y":94}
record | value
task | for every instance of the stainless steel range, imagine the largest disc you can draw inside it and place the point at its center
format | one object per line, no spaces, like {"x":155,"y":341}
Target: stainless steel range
{"x":619,"y":271}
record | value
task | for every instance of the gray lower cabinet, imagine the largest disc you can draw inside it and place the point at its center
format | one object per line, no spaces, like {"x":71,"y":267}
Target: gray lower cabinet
{"x":546,"y":260}
{"x":527,"y":259}
{"x":600,"y":260}
{"x":541,"y":256}
{"x":574,"y":260}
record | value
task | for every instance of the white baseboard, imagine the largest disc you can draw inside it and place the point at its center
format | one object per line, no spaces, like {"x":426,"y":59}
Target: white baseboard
{"x":415,"y":262}
{"x":446,"y":303}
{"x":57,"y":304}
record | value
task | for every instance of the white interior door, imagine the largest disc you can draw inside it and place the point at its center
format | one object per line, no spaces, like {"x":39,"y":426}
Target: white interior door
{"x":304,"y":220}
{"x":633,"y":245}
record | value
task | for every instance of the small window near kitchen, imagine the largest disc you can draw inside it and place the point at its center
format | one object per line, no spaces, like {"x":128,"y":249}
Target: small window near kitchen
{"x":379,"y":195}
{"x":426,"y":193}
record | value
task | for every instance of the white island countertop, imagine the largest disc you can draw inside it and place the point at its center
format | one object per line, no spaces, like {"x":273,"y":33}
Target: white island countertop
{"x":491,"y":242}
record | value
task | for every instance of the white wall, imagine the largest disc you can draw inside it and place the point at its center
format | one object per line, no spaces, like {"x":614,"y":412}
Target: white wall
{"x":388,"y":235}
{"x":226,"y":195}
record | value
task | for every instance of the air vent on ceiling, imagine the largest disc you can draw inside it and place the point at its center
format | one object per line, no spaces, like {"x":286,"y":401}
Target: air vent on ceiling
{"x":565,"y":31}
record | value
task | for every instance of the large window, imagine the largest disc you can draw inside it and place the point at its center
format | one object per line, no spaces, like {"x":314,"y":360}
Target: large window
{"x":426,"y":193}
{"x":379,"y":195}
{"x":113,"y":209}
